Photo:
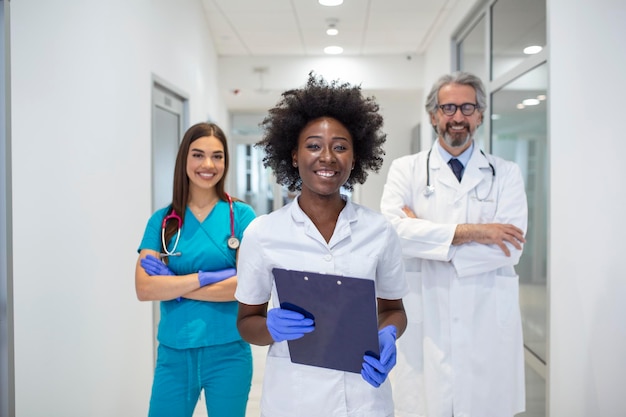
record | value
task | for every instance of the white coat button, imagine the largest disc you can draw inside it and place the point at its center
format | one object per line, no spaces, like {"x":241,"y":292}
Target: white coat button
{"x":328,"y":258}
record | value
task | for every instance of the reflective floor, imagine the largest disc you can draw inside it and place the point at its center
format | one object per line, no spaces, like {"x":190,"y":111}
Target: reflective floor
{"x":535,"y":395}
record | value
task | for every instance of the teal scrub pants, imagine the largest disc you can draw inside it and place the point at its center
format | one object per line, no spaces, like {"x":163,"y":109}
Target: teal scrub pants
{"x":223,"y":371}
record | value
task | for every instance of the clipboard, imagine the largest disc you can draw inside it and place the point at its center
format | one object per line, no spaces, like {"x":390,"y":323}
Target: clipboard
{"x":344,"y":310}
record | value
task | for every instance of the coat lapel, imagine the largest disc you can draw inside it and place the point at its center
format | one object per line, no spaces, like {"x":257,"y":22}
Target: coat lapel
{"x":477,"y":170}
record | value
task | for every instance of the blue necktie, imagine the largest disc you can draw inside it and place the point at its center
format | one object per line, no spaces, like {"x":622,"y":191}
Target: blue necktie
{"x":457,"y":168}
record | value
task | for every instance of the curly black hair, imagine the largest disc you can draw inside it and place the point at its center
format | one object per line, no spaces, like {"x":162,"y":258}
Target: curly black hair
{"x":318,"y":98}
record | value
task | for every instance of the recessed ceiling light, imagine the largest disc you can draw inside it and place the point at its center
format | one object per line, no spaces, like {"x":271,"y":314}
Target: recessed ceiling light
{"x":520,"y":106}
{"x":541,"y":97}
{"x":530,"y":102}
{"x":331,"y":28}
{"x":330,"y":2}
{"x":495,"y":117}
{"x":531,"y":50}
{"x":333,"y":50}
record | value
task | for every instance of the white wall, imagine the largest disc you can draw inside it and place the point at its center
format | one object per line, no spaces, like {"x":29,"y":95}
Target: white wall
{"x":81,"y":107}
{"x":394,"y":72}
{"x":587,"y":360}
{"x":402,"y":112}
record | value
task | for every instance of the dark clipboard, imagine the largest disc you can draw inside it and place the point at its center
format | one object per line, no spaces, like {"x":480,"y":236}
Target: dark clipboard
{"x":344,"y":310}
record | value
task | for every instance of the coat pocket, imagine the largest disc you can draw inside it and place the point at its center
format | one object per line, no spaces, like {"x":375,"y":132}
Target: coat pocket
{"x":507,"y":299}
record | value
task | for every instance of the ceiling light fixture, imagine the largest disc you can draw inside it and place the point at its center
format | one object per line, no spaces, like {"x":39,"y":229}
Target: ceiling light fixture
{"x":333,"y":50}
{"x":530,"y":102}
{"x":261,"y":71}
{"x":331,"y":29}
{"x":531,"y":50}
{"x":330,"y":2}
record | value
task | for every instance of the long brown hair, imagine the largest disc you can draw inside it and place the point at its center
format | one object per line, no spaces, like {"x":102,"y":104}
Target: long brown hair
{"x":180,"y":192}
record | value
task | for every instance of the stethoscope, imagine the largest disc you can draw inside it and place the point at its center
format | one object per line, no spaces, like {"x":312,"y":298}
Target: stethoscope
{"x":430,"y":189}
{"x":232,"y":241}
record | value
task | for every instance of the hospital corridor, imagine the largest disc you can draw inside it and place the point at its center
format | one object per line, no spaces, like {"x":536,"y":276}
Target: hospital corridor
{"x":96,"y":98}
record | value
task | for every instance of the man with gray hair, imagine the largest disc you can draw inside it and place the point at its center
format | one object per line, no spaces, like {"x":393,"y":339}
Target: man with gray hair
{"x":462,"y":216}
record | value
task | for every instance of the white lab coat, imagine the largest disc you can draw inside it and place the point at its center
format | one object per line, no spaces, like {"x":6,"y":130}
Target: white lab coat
{"x":462,"y":352}
{"x":363,"y":245}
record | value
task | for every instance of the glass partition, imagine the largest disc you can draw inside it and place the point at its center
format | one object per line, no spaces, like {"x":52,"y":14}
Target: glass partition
{"x":472,"y":57}
{"x":472,"y":50}
{"x":517,"y":130}
{"x":515,"y":26}
{"x":519,"y":133}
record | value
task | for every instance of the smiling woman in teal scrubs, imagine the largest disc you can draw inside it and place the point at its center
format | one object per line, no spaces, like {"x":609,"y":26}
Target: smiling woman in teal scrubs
{"x":187,"y":260}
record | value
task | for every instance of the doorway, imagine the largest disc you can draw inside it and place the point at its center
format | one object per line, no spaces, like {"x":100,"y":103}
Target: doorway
{"x":169,"y":122}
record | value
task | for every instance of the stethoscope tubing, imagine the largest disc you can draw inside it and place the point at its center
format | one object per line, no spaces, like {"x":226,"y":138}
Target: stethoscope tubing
{"x":232,"y":241}
{"x":430,"y":189}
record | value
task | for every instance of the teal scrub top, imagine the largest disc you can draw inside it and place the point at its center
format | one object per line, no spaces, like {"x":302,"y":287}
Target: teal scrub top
{"x":203,"y":246}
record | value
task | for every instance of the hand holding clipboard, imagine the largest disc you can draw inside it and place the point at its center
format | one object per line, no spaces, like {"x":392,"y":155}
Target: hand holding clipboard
{"x":342,"y":312}
{"x":289,"y":323}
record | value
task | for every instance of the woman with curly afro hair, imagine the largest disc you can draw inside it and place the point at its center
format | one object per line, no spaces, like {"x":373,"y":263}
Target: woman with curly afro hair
{"x":341,"y":102}
{"x":318,"y":139}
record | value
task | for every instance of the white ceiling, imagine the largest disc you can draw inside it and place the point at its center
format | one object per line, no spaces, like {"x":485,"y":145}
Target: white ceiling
{"x":255,"y":28}
{"x":267,"y":46}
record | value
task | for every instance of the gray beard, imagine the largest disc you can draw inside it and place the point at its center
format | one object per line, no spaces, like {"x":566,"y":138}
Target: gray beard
{"x":456,"y":142}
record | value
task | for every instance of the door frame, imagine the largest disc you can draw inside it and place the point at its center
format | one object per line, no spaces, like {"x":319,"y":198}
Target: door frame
{"x":167,"y":97}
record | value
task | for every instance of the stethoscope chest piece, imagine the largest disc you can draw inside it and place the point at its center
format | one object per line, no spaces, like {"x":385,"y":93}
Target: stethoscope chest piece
{"x":233,"y":242}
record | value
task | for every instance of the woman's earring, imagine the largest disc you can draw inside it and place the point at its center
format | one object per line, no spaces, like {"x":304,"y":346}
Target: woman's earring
{"x":295,"y":164}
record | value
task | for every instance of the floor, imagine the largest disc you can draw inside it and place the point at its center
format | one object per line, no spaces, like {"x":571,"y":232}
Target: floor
{"x":535,"y":390}
{"x":535,"y":395}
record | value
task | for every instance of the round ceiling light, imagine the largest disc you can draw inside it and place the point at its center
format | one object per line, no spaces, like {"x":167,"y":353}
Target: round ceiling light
{"x":333,"y":50}
{"x":530,"y":102}
{"x":531,"y":50}
{"x":330,"y":2}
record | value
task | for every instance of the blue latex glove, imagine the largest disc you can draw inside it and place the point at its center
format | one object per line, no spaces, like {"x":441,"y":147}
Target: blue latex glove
{"x":287,"y":324}
{"x":211,"y":277}
{"x":374,"y":370}
{"x":154,"y":266}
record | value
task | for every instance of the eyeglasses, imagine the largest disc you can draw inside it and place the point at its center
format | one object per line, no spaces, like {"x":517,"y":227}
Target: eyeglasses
{"x":466,"y":108}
